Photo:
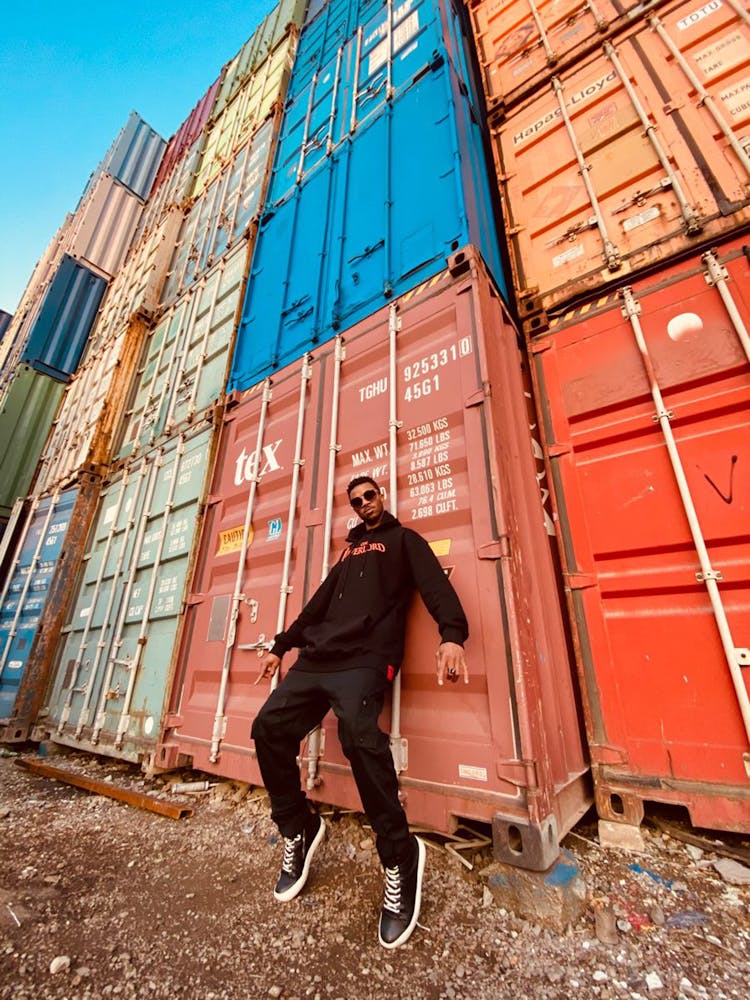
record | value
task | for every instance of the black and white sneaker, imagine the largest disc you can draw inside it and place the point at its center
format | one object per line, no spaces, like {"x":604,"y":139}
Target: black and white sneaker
{"x":403,"y":896}
{"x":298,"y":853}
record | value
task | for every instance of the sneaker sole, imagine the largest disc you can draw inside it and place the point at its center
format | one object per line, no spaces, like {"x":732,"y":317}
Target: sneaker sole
{"x":299,"y":885}
{"x":406,"y":933}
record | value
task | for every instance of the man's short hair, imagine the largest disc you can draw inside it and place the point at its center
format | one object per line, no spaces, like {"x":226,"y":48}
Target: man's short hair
{"x":358,"y":480}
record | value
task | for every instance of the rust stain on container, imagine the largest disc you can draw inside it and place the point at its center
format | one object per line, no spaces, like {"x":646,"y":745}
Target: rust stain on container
{"x":508,"y":749}
{"x":33,"y":684}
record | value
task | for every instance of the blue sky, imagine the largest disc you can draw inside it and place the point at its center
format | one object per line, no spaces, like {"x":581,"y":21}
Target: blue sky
{"x":69,"y":76}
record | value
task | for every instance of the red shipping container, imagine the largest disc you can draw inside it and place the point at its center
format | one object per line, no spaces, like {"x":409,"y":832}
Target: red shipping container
{"x":453,"y":445}
{"x":645,"y":400}
{"x":186,"y":134}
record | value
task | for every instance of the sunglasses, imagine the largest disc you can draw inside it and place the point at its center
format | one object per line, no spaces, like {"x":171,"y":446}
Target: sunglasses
{"x":366,"y":497}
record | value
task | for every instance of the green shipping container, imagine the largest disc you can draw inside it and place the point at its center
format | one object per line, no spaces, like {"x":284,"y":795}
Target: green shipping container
{"x":27,"y":411}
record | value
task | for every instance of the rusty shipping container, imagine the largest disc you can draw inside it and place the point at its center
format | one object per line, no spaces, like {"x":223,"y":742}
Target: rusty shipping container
{"x":645,"y":400}
{"x":427,"y":396}
{"x":635,"y":155}
{"x":48,"y":547}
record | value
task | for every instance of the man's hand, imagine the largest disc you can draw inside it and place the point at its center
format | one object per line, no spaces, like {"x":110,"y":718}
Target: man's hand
{"x":451,"y":663}
{"x":268,"y":667}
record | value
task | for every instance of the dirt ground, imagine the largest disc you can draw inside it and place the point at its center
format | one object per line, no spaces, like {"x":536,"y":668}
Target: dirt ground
{"x":133,"y":905}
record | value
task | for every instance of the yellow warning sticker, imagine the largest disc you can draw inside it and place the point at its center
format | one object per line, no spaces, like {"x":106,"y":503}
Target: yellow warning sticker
{"x":441,"y":547}
{"x":230,"y":540}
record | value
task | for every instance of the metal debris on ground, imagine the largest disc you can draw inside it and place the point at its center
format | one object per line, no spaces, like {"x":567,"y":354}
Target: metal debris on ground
{"x":150,"y":802}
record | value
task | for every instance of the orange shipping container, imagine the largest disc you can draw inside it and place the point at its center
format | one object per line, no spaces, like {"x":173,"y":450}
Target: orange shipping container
{"x":633,"y":157}
{"x":645,"y":402}
{"x":426,"y":395}
{"x":521,"y":43}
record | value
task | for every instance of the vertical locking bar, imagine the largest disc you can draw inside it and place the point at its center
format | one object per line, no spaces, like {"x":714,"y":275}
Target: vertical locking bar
{"x":693,"y":222}
{"x":284,"y":588}
{"x":67,"y":706}
{"x":117,"y":640}
{"x":717,"y":276}
{"x":611,"y":253}
{"x":25,"y":590}
{"x":708,"y":575}
{"x":314,"y":742}
{"x":84,"y":714}
{"x":219,"y":727}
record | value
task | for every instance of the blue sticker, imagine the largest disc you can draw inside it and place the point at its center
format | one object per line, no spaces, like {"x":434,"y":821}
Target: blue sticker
{"x":274,"y":528}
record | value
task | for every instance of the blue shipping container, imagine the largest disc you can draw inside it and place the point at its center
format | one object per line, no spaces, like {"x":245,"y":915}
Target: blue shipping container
{"x":60,"y":332}
{"x":380,"y":175}
{"x":25,"y":592}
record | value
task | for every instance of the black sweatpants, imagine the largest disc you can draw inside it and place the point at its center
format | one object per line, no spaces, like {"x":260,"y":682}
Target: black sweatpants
{"x":299,"y":704}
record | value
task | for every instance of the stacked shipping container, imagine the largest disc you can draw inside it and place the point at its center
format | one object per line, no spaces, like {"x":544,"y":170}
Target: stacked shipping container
{"x":48,"y":336}
{"x":59,"y":309}
{"x":380,"y":175}
{"x":383,"y":117}
{"x":380,"y":182}
{"x":111,"y":670}
{"x":428,"y":396}
{"x":620,"y":139}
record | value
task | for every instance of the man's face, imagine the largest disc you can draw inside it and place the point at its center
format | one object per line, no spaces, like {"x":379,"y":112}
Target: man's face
{"x":367,"y":503}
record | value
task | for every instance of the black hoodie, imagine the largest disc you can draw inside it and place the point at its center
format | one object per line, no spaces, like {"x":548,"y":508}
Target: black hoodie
{"x":357,"y":617}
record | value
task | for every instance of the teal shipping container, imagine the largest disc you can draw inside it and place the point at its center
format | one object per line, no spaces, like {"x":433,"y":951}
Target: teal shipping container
{"x":184,"y":361}
{"x":60,"y":332}
{"x":108,"y":685}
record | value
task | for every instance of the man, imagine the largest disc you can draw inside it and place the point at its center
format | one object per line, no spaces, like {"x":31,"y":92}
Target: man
{"x":351,"y":641}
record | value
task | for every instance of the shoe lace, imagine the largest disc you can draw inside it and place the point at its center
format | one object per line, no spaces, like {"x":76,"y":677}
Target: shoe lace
{"x":392,"y":899}
{"x":290,"y":852}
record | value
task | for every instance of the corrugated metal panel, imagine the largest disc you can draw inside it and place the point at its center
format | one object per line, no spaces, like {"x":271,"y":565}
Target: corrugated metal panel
{"x":263,"y":92}
{"x":63,"y":324}
{"x":380,"y":175}
{"x":621,"y":162}
{"x":111,"y":678}
{"x":638,"y":394}
{"x":26,"y":414}
{"x":265,"y":38}
{"x":81,"y":438}
{"x":134,"y":156}
{"x":455,"y":451}
{"x":24,"y":593}
{"x":184,"y":366}
{"x":222,"y":215}
{"x":185,"y":137}
{"x":104,"y":225}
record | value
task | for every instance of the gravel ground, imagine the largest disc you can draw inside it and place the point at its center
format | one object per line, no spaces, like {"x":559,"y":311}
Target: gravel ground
{"x":132,"y":905}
